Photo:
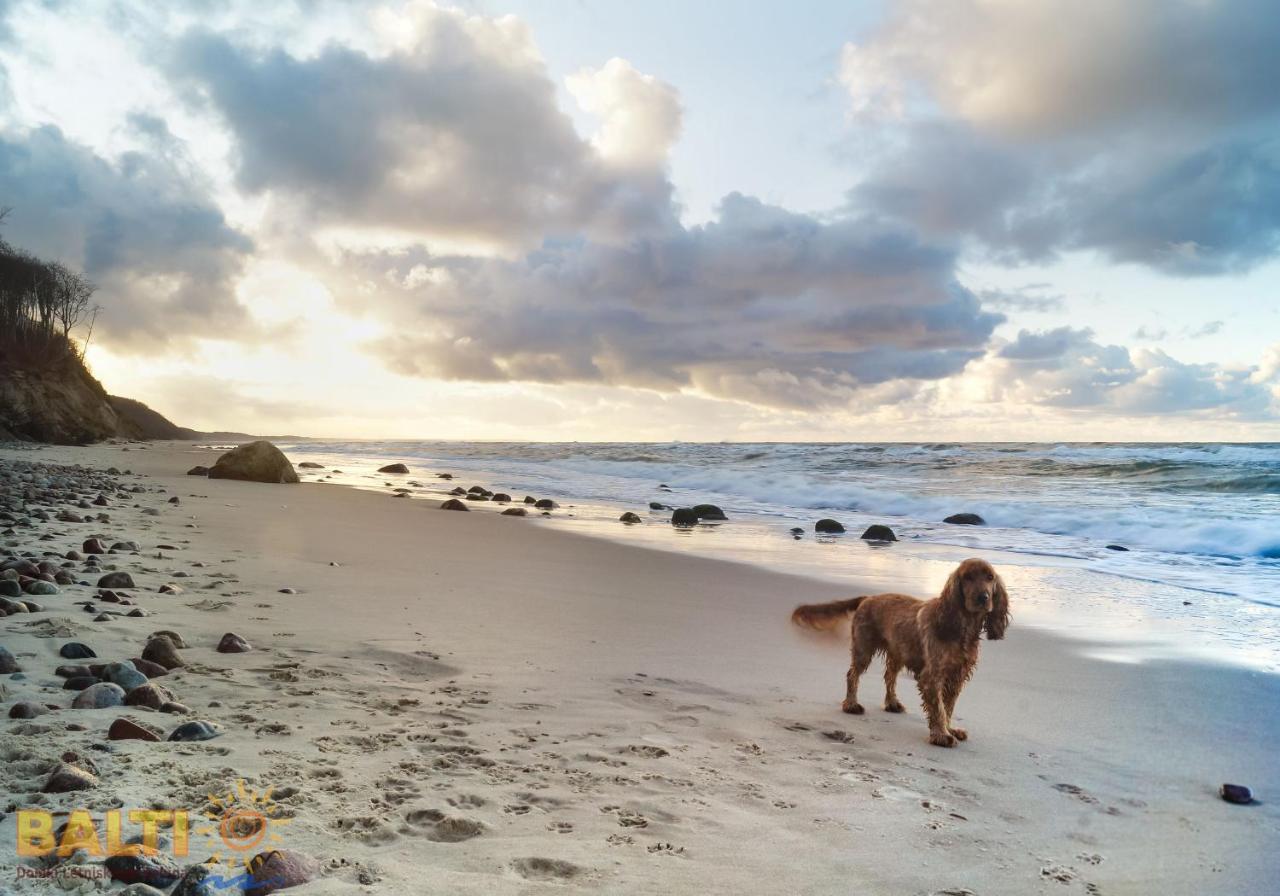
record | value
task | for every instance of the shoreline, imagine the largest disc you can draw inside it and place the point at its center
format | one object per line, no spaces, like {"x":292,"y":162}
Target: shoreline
{"x":557,"y":675}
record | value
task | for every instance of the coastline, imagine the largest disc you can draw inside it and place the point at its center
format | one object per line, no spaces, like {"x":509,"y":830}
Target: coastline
{"x":640,"y":720}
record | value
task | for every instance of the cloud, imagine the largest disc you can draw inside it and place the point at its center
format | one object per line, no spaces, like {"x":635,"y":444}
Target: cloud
{"x":453,"y":132}
{"x":1067,"y":368}
{"x":761,"y":305}
{"x":1145,"y":131}
{"x":140,"y":225}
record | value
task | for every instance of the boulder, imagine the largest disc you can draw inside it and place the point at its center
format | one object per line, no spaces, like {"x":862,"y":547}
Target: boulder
{"x":545,"y":504}
{"x":393,"y":468}
{"x":255,"y":462}
{"x":965,"y":519}
{"x":709,"y":512}
{"x":198,"y":471}
{"x":827,"y":527}
{"x":684,"y":517}
{"x":878,"y":532}
{"x":454,"y":504}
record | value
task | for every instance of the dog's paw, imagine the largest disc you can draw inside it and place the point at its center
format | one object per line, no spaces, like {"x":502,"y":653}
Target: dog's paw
{"x":894,"y":706}
{"x":959,"y":733}
{"x":853,"y":709}
{"x":942,"y":739}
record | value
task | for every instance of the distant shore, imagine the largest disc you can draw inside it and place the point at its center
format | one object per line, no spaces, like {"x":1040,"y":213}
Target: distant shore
{"x":471,"y":703}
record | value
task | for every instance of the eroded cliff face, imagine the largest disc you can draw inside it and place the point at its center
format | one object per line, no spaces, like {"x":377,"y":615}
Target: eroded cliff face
{"x":62,"y":404}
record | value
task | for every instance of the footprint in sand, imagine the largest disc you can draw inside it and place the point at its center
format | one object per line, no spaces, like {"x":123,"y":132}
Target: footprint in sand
{"x":466,"y":801}
{"x":560,"y":827}
{"x":537,"y":868}
{"x":441,"y":828}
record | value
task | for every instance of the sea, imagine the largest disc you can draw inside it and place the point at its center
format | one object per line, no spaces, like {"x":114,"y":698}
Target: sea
{"x":1141,"y":551}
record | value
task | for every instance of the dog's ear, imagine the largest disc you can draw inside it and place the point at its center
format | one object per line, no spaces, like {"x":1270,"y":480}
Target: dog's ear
{"x":947,"y":624}
{"x":998,"y":618}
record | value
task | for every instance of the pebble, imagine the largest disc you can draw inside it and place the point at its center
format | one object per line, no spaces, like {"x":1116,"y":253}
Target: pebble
{"x":233,"y":643}
{"x":125,"y":675}
{"x":630,"y":518}
{"x":67,"y":778}
{"x":41,"y":589}
{"x":74,"y":650}
{"x":148,"y":668}
{"x":454,"y":504}
{"x":150,"y":695}
{"x":79,"y":682}
{"x":878,"y":532}
{"x":826,"y":527}
{"x":8,"y":662}
{"x":197,"y":730}
{"x":684,"y":517}
{"x":127,"y":729}
{"x":26,"y":710}
{"x":116,"y":580}
{"x":1236,"y":793}
{"x":99,"y":696}
{"x":545,"y":504}
{"x":157,"y":870}
{"x":160,"y":650}
{"x":172,"y":636}
{"x":93,"y":546}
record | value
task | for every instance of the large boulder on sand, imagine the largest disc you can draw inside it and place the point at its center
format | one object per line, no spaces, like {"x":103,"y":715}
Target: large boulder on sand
{"x":255,"y":462}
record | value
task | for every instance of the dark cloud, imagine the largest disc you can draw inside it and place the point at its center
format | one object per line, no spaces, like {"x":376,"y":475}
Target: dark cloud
{"x":160,"y":250}
{"x":1032,"y":297}
{"x":1044,"y":345}
{"x":1146,"y":131}
{"x":761,"y":305}
{"x":455,"y":133}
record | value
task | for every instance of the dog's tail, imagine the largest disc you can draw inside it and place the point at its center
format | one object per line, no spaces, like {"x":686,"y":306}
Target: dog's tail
{"x":825,"y":617}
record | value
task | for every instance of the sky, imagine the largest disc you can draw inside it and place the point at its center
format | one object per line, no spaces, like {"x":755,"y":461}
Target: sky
{"x":918,"y":221}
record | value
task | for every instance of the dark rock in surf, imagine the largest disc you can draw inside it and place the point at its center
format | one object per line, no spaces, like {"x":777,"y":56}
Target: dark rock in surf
{"x":1117,"y":547}
{"x":827,"y":527}
{"x":515,"y":511}
{"x":393,"y":468}
{"x":630,"y":518}
{"x":965,"y":519}
{"x":709,"y":512}
{"x":546,"y":504}
{"x":878,"y":532}
{"x":454,"y":504}
{"x":255,"y":462}
{"x":684,"y":517}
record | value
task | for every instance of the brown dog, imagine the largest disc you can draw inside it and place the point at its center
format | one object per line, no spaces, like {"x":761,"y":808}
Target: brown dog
{"x":937,"y":640}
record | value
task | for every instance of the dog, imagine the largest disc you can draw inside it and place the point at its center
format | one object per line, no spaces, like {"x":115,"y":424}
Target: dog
{"x":936,"y":639}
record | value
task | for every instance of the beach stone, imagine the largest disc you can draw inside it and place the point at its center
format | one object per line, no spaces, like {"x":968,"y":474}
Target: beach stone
{"x":198,"y":471}
{"x":965,"y":519}
{"x":827,"y":527}
{"x":709,"y":512}
{"x":233,"y":643}
{"x":1236,"y":793}
{"x":255,"y":462}
{"x":93,"y":546}
{"x":515,"y":511}
{"x":654,"y":505}
{"x":160,"y":650}
{"x":124,"y":675}
{"x":393,"y":468}
{"x":156,"y":870}
{"x":546,"y":504}
{"x":125,"y":546}
{"x":197,"y":730}
{"x":169,"y":588}
{"x":148,"y":668}
{"x":116,"y":580}
{"x":630,"y":518}
{"x":74,"y":650}
{"x":458,"y":491}
{"x":878,"y":532}
{"x":79,"y":682}
{"x":67,"y":778}
{"x":204,"y":880}
{"x":70,"y":671}
{"x":127,"y":729}
{"x":501,"y":498}
{"x":476,"y":496}
{"x":1117,"y":547}
{"x":530,"y":499}
{"x":797,"y":531}
{"x":38,"y":588}
{"x":279,"y":869}
{"x":477,"y":490}
{"x":172,"y":636}
{"x":25,"y":709}
{"x":137,"y":613}
{"x":9,"y":607}
{"x":176,"y":708}
{"x":99,"y":696}
{"x":150,"y":695}
{"x":311,"y":465}
{"x":10,"y":588}
{"x":684,"y":517}
{"x":454,"y":504}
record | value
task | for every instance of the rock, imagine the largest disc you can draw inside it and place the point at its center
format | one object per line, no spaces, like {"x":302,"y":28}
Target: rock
{"x":156,"y":870}
{"x":67,"y":778}
{"x":150,"y":695}
{"x":233,"y":643}
{"x":74,"y":650}
{"x":654,"y":505}
{"x":279,"y":869}
{"x":10,"y":588}
{"x":878,"y":532}
{"x":546,"y":504}
{"x":709,"y":512}
{"x":126,"y":546}
{"x":26,"y":710}
{"x":198,"y":471}
{"x":172,"y":636}
{"x":515,"y":511}
{"x":175,"y":500}
{"x":169,"y":588}
{"x":454,"y":504}
{"x":38,"y":588}
{"x":530,"y":499}
{"x":127,"y":729}
{"x":197,"y":730}
{"x":311,"y":465}
{"x":116,"y":580}
{"x":1236,"y":793}
{"x":8,"y":662}
{"x":255,"y":462}
{"x":684,"y":517}
{"x":476,"y":496}
{"x":458,"y":490}
{"x":204,"y":880}
{"x":797,"y":531}
{"x":172,"y":706}
{"x":501,"y":498}
{"x":13,"y":606}
{"x":162,"y":652}
{"x":965,"y":519}
{"x":99,"y":696}
{"x":393,"y":468}
{"x":827,"y":527}
{"x":1117,"y":547}
{"x":148,"y":668}
{"x":79,"y":682}
{"x":630,"y":518}
{"x":124,"y":675}
{"x":70,"y":671}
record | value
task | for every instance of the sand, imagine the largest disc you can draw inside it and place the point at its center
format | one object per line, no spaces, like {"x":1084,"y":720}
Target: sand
{"x":469,"y":703}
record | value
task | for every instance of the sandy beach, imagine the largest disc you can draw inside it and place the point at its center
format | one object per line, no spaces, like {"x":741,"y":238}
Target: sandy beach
{"x":467,"y":703}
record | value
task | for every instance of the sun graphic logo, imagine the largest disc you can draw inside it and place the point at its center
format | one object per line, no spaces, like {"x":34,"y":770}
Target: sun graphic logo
{"x":241,"y":822}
